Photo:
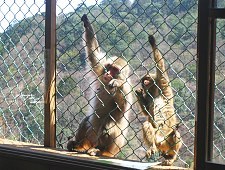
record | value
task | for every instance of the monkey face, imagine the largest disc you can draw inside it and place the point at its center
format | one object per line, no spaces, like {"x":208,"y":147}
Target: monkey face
{"x":111,"y":72}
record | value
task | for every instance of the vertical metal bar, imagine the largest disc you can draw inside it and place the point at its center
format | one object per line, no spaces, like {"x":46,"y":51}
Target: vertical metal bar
{"x":50,"y":79}
{"x":203,"y":82}
{"x":212,"y":47}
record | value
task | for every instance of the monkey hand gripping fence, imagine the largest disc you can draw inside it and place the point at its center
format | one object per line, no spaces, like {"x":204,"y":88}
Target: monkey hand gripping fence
{"x":122,"y":29}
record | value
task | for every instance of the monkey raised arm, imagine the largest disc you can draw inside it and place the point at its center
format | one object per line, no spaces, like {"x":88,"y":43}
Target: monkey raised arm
{"x":92,"y":46}
{"x":144,"y":104}
{"x":161,"y":73}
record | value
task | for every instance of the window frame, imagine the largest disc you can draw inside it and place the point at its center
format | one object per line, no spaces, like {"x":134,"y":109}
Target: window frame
{"x":206,"y":51}
{"x":206,"y":45}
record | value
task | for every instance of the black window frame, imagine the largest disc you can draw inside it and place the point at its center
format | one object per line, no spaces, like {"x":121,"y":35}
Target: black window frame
{"x":208,"y":13}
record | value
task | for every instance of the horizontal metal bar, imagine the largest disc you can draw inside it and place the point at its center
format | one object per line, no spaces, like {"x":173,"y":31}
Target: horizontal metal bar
{"x":217,"y":13}
{"x":217,"y":166}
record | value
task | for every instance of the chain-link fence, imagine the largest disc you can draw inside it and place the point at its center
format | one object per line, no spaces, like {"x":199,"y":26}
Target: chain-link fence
{"x":21,"y":70}
{"x":218,"y":130}
{"x":122,"y":28}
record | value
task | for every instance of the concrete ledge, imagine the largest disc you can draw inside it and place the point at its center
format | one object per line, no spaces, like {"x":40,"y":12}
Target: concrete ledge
{"x":26,"y":156}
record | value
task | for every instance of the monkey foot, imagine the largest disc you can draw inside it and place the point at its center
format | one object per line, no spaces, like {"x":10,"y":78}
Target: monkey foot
{"x":168,"y":162}
{"x":151,"y":152}
{"x":71,"y":145}
{"x":74,"y":147}
{"x":93,"y":152}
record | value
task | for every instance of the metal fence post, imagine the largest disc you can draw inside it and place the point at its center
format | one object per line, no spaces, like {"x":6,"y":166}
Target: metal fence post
{"x":50,"y":79}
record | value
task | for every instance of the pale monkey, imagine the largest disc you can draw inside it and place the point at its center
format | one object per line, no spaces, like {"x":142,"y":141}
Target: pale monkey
{"x":103,"y":131}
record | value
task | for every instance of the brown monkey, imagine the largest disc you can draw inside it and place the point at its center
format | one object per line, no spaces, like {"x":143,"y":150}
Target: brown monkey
{"x":104,"y":130}
{"x":156,"y":102}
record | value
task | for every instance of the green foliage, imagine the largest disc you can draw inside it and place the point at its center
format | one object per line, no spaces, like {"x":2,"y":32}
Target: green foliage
{"x":192,"y":69}
{"x":70,"y":60}
{"x":179,"y":87}
{"x":177,"y":84}
{"x":66,"y":86}
{"x":15,"y":31}
{"x":1,"y":47}
{"x":27,"y":123}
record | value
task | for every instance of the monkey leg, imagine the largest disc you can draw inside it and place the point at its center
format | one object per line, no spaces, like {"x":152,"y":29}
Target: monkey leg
{"x":104,"y":149}
{"x":85,"y":137}
{"x":81,"y":144}
{"x":109,"y":148}
{"x":98,"y":152}
{"x":170,"y":147}
{"x":81,"y":147}
{"x":149,"y":138}
{"x":109,"y":144}
{"x":115,"y":143}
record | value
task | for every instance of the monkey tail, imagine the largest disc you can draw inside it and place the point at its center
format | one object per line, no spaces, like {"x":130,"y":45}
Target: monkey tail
{"x":152,"y":41}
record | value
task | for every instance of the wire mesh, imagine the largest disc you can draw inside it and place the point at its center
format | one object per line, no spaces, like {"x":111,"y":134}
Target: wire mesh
{"x":21,"y":71}
{"x":122,"y":28}
{"x":219,"y":117}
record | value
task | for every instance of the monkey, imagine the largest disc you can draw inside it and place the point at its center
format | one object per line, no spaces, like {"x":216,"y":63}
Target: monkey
{"x":156,"y":102}
{"x":103,"y":132}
